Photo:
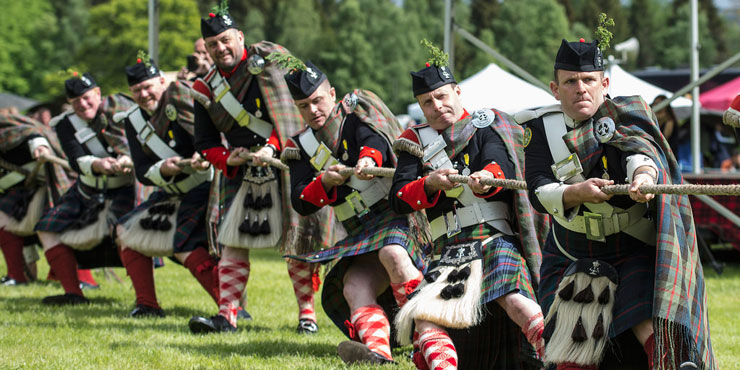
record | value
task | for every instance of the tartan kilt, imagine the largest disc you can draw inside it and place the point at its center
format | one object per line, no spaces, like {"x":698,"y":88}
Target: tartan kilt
{"x":633,"y":260}
{"x":504,"y":268}
{"x":368,"y":234}
{"x":191,"y":216}
{"x":17,"y":195}
{"x":70,"y":206}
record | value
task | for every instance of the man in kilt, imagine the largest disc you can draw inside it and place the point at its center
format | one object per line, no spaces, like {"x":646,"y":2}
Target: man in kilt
{"x":172,"y":222}
{"x":28,"y":186}
{"x":476,"y":308}
{"x":378,"y":262}
{"x":78,"y":230}
{"x":245,"y":99}
{"x":618,"y":272}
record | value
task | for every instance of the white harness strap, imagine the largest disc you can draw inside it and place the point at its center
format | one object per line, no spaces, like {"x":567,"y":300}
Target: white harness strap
{"x":147,"y":136}
{"x":86,"y":136}
{"x":475,"y":210}
{"x":222,"y":94}
{"x":555,"y":129}
{"x":367,"y":192}
{"x":12,"y":178}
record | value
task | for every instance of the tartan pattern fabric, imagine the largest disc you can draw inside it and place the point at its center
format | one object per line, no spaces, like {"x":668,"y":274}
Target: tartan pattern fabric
{"x":373,"y":231}
{"x":232,"y":278}
{"x":13,"y":196}
{"x":504,"y":269}
{"x":707,"y":218}
{"x":191,"y":216}
{"x":300,"y":234}
{"x":373,"y":329}
{"x":438,"y":350}
{"x":71,"y":205}
{"x":15,"y":130}
{"x":533,"y":330}
{"x":681,"y":301}
{"x":178,"y":95}
{"x":370,"y":109}
{"x":113,"y":133}
{"x":301,"y":275}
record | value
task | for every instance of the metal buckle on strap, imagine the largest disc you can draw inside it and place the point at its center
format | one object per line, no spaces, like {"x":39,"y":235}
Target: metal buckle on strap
{"x":595,"y":229}
{"x":84,"y":135}
{"x":357,"y":203}
{"x":243,"y":118}
{"x":220,"y":89}
{"x":318,"y":161}
{"x":434,"y":147}
{"x":567,"y":168}
{"x":145,"y":133}
{"x":455,"y":229}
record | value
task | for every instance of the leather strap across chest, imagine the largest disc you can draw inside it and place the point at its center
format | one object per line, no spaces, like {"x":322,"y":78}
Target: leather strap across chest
{"x":87,"y":137}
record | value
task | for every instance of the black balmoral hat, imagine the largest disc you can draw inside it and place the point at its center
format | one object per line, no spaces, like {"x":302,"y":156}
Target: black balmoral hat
{"x":218,"y":21}
{"x":141,"y":71}
{"x":579,"y":56}
{"x":78,"y":85}
{"x":431,"y":78}
{"x":302,"y":83}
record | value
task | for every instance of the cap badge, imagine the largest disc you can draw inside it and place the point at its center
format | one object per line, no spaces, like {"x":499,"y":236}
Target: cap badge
{"x":312,"y":75}
{"x":227,"y":20}
{"x":445,"y":74}
{"x":152,"y":70}
{"x":350,"y":102}
{"x":85,"y":81}
{"x":604,"y":129}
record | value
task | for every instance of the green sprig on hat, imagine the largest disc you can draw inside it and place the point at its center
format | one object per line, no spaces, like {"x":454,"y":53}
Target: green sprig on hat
{"x":143,"y":57}
{"x":602,"y":33}
{"x":287,"y":61}
{"x":222,"y":9}
{"x":69,"y":73}
{"x":438,"y":57}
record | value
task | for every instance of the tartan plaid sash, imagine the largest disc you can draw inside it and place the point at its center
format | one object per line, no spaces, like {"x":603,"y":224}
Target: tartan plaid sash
{"x":680,"y":301}
{"x":581,"y":140}
{"x":177,"y":96}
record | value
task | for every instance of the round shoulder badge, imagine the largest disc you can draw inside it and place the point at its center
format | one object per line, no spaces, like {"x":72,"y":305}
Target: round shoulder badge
{"x":527,"y":136}
{"x":170,"y":112}
{"x":604,"y":129}
{"x":350,"y":102}
{"x":255,"y":64}
{"x":483,"y":118}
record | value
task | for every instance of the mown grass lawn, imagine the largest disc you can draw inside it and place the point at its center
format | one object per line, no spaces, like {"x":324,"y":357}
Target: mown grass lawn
{"x":101,"y":336}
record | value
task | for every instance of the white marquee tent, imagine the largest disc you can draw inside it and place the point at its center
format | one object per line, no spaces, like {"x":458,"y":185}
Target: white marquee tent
{"x":622,"y":83}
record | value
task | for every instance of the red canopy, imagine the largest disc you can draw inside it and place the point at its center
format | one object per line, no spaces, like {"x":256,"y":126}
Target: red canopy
{"x":720,"y":97}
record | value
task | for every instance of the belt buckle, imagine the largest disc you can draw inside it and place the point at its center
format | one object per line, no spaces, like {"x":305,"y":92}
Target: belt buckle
{"x":455,"y":229}
{"x":357,"y":203}
{"x":594,"y":226}
{"x":567,"y":168}
{"x":318,"y":161}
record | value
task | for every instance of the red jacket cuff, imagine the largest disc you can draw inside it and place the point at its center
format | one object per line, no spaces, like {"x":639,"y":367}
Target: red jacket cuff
{"x":495,"y":169}
{"x":414,"y":195}
{"x":274,"y":140}
{"x":373,"y":153}
{"x":315,"y":194}
{"x":218,"y":156}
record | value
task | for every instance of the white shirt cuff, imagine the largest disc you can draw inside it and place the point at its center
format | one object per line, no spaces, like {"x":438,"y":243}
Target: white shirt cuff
{"x":154,"y":174}
{"x":85,"y":162}
{"x":37,"y":142}
{"x":636,"y":161}
{"x":551,"y":197}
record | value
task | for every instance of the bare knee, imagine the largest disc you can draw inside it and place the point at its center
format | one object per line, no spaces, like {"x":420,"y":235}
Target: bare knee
{"x":48,"y":239}
{"x":643,"y":330}
{"x":239,"y":254}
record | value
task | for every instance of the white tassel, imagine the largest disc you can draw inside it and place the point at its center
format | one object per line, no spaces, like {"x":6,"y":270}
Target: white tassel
{"x":152,"y":243}
{"x":455,"y":313}
{"x":35,"y":209}
{"x":91,"y":235}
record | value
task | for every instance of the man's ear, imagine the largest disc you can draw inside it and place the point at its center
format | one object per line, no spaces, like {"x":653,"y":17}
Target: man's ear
{"x":554,"y":90}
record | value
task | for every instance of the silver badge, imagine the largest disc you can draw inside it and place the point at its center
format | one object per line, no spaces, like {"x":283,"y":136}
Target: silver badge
{"x":152,"y":70}
{"x":466,"y":171}
{"x":227,"y":20}
{"x":445,"y":74}
{"x":345,"y":156}
{"x":86,"y":81}
{"x":171,"y":143}
{"x":109,"y":149}
{"x":312,"y":75}
{"x":258,"y":113}
{"x":350,"y":102}
{"x":170,"y":112}
{"x":604,"y":129}
{"x":255,"y":64}
{"x":483,"y":118}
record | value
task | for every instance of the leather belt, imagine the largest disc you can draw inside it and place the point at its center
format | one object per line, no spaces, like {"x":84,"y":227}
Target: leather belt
{"x":598,"y":225}
{"x":451,"y":223}
{"x":106,"y":182}
{"x":358,"y":203}
{"x":185,"y":185}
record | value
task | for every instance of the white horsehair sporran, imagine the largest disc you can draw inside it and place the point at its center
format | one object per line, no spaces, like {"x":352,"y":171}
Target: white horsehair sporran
{"x":151,"y":231}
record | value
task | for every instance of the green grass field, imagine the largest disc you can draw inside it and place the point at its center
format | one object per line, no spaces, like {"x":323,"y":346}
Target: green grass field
{"x":101,"y":336}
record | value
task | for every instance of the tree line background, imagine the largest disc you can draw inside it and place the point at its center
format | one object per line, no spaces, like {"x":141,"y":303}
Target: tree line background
{"x":370,"y":44}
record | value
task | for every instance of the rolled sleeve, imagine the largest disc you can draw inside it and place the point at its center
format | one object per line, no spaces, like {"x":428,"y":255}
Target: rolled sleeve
{"x":636,"y":161}
{"x":155,"y":175}
{"x":85,"y":163}
{"x":551,"y":197}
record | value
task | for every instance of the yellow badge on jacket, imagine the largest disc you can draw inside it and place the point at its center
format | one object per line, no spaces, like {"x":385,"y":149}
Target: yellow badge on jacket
{"x":527,"y":136}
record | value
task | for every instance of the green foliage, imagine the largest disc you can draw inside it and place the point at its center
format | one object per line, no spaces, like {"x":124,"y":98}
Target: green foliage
{"x":222,"y":9}
{"x":676,"y":52}
{"x":143,"y":57}
{"x":287,"y":61}
{"x":437,"y":57}
{"x":602,"y":32}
